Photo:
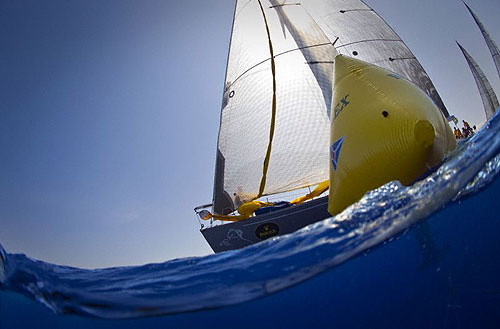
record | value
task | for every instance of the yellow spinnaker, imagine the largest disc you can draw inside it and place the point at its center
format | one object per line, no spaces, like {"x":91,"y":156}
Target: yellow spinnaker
{"x":383,"y":128}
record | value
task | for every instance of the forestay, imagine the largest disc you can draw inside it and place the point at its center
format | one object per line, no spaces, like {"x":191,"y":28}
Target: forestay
{"x":302,"y":35}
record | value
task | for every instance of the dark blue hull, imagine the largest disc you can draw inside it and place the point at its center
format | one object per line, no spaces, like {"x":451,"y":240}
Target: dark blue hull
{"x":255,"y":229}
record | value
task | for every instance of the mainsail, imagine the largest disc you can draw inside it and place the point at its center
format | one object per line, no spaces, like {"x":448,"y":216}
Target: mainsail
{"x":359,"y":32}
{"x":489,"y":41}
{"x":305,"y":37}
{"x":303,"y":58}
{"x":487,"y":93}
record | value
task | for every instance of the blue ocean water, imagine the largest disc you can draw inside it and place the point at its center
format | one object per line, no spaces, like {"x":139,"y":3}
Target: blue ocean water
{"x":423,"y":256}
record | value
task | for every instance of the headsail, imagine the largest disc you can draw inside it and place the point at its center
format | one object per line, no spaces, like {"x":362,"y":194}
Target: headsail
{"x":487,"y":93}
{"x":302,"y":35}
{"x":489,"y":41}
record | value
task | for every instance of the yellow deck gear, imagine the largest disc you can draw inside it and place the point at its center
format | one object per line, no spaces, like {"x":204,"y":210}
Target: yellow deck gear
{"x":245,"y":210}
{"x":322,"y":187}
{"x":248,"y":208}
{"x":383,"y":128}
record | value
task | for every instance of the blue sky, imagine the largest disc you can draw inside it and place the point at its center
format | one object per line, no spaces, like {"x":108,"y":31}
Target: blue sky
{"x":110,"y":110}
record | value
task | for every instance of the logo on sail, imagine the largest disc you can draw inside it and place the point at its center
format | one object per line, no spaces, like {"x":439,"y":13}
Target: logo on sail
{"x":335,"y":152}
{"x":340,"y":106}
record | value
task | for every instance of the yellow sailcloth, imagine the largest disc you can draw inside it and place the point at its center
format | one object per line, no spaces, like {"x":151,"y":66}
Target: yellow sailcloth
{"x":383,"y":128}
{"x":322,"y":187}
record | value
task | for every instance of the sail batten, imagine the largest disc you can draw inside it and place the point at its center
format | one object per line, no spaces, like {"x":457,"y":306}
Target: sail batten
{"x":488,"y":96}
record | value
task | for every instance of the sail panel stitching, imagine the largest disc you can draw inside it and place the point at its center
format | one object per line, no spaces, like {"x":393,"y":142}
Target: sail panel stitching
{"x":275,"y":56}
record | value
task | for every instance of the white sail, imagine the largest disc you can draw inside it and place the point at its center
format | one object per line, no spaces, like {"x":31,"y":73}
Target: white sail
{"x":359,"y":32}
{"x":301,"y":36}
{"x":487,"y":93}
{"x":489,"y":41}
{"x":304,"y":71}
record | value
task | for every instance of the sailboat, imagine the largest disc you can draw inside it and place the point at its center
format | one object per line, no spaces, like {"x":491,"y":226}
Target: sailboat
{"x":488,"y":96}
{"x":495,"y":52}
{"x":276,"y":108}
{"x":487,"y":93}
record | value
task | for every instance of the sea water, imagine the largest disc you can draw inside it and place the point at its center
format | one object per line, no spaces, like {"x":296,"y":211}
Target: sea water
{"x":423,"y":256}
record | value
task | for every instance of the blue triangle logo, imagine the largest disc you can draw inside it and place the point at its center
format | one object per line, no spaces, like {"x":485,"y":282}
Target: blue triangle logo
{"x":335,"y":152}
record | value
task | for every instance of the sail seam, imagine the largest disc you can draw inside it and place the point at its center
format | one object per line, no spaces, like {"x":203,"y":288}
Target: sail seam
{"x":275,"y":56}
{"x":236,"y":14}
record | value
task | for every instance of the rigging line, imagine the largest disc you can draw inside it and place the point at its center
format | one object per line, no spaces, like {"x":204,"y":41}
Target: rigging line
{"x":275,"y":56}
{"x":273,"y":114}
{"x":368,"y":40}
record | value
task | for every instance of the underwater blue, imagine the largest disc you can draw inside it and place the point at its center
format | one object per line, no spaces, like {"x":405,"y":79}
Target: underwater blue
{"x":423,"y":256}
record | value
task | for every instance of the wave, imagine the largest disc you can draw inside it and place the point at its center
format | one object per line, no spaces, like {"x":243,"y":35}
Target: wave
{"x":238,"y":276}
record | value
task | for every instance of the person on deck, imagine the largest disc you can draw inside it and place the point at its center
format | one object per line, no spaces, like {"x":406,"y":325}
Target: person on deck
{"x":470,"y":132}
{"x":465,"y":132}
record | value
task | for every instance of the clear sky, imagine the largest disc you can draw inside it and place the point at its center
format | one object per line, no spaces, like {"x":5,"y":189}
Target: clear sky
{"x":109,"y":114}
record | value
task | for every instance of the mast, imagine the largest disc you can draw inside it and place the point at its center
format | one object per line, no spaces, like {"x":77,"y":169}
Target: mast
{"x":487,"y":93}
{"x":220,"y":197}
{"x":495,"y":52}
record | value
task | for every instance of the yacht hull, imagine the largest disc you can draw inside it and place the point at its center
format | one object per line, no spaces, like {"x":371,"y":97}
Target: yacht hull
{"x":256,"y":229}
